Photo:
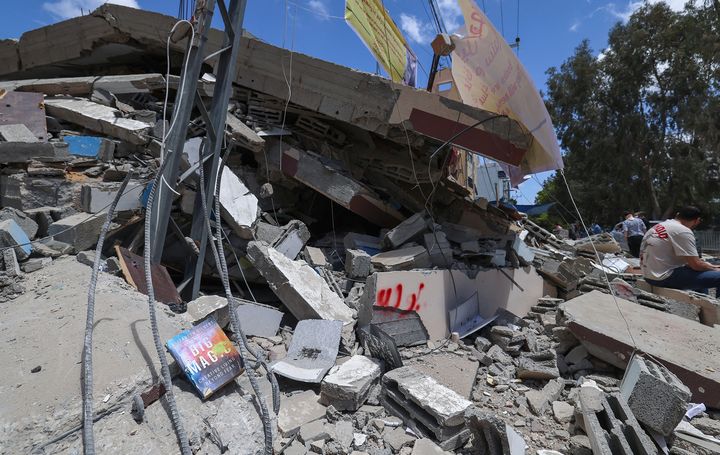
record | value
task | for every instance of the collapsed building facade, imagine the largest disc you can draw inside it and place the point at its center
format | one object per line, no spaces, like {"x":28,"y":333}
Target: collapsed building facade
{"x":462,"y":326}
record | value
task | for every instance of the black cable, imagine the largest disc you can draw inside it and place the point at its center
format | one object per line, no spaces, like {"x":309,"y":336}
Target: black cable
{"x":87,"y":369}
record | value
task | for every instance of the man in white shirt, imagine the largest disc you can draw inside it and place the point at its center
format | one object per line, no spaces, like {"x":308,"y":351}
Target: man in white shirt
{"x":669,"y":257}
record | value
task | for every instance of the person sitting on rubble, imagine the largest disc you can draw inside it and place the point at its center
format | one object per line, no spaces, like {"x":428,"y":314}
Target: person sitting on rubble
{"x":669,"y":257}
{"x":634,"y":229}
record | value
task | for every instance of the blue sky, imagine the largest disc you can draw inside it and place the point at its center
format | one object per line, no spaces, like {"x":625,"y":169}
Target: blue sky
{"x":549,"y":30}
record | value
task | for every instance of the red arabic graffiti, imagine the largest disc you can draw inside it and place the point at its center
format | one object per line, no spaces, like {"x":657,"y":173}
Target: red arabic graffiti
{"x":393,"y":297}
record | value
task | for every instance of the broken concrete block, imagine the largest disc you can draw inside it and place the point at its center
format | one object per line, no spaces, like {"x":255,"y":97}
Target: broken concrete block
{"x":98,"y":197}
{"x":611,"y":426}
{"x":426,"y":446}
{"x":541,"y":365}
{"x":657,"y":398}
{"x":455,"y":372}
{"x":12,"y":235}
{"x":397,"y":438}
{"x":258,"y":320}
{"x":17,"y":133}
{"x":409,"y":229}
{"x":491,"y":436}
{"x":44,"y":217}
{"x":34,"y":264}
{"x":346,"y":386}
{"x":79,"y":231}
{"x":91,"y":147}
{"x":297,"y":410}
{"x":22,"y":152}
{"x":538,"y":400}
{"x":97,"y":117}
{"x":439,"y":249}
{"x":209,"y":305}
{"x":10,"y":262}
{"x":357,"y":264}
{"x":427,"y":407}
{"x":298,"y":286}
{"x":292,"y":240}
{"x":312,"y":352}
{"x":316,"y":257}
{"x":404,"y":259}
{"x":686,"y":348}
{"x":562,"y":411}
{"x":24,"y":220}
{"x":238,"y":205}
{"x":314,"y":431}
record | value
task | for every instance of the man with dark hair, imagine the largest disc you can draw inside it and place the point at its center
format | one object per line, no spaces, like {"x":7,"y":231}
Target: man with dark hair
{"x":634,"y":229}
{"x":669,"y":257}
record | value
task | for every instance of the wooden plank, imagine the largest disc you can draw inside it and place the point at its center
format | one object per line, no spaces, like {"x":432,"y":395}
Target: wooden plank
{"x":134,"y":272}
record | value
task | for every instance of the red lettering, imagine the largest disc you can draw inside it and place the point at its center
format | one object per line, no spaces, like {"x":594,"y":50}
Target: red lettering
{"x":661,"y":231}
{"x":399,"y":289}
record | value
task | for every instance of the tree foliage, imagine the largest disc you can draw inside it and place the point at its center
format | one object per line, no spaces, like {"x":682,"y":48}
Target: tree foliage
{"x":640,"y":123}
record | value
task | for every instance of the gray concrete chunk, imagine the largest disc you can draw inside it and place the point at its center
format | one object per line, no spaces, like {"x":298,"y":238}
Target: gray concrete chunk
{"x":17,"y":133}
{"x":491,"y":435}
{"x":346,"y":386}
{"x":207,"y":305}
{"x":357,"y":264}
{"x":297,"y":410}
{"x":408,"y":230}
{"x":80,"y":231}
{"x":12,"y":235}
{"x":23,"y":220}
{"x":298,"y":286}
{"x":312,"y":352}
{"x":657,"y":397}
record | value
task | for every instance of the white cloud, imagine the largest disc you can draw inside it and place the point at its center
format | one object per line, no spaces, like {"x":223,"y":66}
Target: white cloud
{"x":319,"y":8}
{"x":451,"y":13}
{"x":65,"y":9}
{"x":575,"y":26}
{"x":415,"y":29}
{"x":624,"y":13}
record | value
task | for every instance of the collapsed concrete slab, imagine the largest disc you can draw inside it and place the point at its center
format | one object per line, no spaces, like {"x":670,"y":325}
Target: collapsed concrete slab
{"x":17,"y":133}
{"x":347,"y":385}
{"x":410,"y":229}
{"x":22,"y":152}
{"x":298,"y":286}
{"x":329,"y":180}
{"x":25,"y":221}
{"x":611,"y":426}
{"x":414,"y":257}
{"x":709,"y":307}
{"x":427,"y":407}
{"x":656,"y":397}
{"x":97,"y":117}
{"x":685,"y":347}
{"x":80,"y":86}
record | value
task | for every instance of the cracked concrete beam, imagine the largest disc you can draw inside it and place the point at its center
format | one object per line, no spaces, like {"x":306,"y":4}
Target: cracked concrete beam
{"x":80,"y":86}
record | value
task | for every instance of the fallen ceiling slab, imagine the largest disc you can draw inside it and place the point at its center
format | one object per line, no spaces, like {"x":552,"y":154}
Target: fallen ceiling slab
{"x":687,"y":348}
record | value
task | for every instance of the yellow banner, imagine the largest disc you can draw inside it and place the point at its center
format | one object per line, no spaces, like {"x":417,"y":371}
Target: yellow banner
{"x":383,"y":38}
{"x":489,"y":76}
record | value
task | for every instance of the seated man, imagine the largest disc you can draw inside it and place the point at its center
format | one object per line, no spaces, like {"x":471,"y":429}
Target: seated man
{"x":669,"y":257}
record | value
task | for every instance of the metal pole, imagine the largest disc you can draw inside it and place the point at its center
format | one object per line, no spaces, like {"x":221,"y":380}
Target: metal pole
{"x":175,"y":142}
{"x":225,"y":74}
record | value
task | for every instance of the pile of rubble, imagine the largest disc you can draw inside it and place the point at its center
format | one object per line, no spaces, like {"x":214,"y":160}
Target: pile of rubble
{"x":400,"y":313}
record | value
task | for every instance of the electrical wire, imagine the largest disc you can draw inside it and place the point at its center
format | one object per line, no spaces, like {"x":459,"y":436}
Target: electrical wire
{"x":597,"y":256}
{"x":87,"y":365}
{"x":165,"y":369}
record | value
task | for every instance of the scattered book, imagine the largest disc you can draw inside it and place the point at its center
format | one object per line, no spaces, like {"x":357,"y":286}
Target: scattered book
{"x":207,"y":356}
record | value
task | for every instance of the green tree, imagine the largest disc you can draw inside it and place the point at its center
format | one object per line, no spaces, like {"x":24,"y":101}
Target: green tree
{"x":639,"y":124}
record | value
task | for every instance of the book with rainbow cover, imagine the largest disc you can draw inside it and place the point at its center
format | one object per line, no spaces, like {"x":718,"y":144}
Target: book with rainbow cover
{"x":207,"y":356}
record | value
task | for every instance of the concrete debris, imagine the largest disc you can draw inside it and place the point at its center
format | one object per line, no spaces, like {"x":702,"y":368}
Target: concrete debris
{"x":404,"y":325}
{"x":312,"y":351}
{"x":415,"y":257}
{"x":258,"y":320}
{"x":611,"y":426}
{"x":657,"y":398}
{"x":297,"y":285}
{"x":98,"y":118}
{"x":81,"y":231}
{"x":426,"y":406}
{"x":492,"y":436}
{"x":347,"y":385}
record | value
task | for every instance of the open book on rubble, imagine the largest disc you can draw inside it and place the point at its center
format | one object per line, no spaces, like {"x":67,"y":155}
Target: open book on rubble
{"x":207,"y":356}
